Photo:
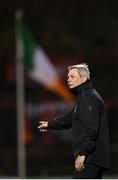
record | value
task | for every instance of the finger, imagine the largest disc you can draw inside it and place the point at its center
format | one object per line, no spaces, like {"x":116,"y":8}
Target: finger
{"x":79,"y":169}
{"x":43,"y":130}
{"x":82,"y":167}
{"x":82,"y":164}
{"x":42,"y":122}
{"x":41,"y":126}
{"x":79,"y":166}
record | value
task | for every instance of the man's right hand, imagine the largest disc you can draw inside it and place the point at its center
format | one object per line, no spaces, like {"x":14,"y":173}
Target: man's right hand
{"x":43,"y":126}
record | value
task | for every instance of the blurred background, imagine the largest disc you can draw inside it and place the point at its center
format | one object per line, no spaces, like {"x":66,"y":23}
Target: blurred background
{"x":61,"y":33}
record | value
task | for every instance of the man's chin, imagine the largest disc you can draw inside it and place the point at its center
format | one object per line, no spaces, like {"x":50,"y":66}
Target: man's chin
{"x":71,"y":87}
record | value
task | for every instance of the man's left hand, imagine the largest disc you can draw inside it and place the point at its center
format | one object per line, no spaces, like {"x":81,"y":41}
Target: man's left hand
{"x":79,"y":163}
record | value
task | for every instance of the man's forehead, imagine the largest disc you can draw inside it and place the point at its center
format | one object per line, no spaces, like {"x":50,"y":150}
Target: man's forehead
{"x":73,"y":71}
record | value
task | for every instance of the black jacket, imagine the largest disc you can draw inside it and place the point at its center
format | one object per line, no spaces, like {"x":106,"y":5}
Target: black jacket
{"x":89,"y":125}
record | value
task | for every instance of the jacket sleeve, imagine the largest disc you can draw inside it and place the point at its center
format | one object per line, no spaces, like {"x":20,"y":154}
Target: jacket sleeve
{"x":89,"y":115}
{"x":64,"y":122}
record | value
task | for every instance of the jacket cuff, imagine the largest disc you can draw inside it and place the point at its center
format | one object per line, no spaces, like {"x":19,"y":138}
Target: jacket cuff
{"x":51,"y":124}
{"x":80,"y":152}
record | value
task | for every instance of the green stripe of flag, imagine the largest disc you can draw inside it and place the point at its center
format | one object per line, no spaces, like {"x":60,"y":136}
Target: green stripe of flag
{"x":28,"y":43}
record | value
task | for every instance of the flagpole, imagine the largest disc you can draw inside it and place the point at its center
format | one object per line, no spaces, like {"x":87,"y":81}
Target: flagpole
{"x":21,"y":154}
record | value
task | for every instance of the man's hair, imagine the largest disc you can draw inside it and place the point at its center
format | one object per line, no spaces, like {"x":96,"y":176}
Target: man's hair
{"x":82,"y":69}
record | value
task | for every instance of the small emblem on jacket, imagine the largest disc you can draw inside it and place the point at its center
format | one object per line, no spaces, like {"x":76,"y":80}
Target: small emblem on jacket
{"x":90,"y":108}
{"x":75,"y":108}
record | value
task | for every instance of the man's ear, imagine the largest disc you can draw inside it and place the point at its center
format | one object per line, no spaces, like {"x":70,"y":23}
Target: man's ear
{"x":84,"y":79}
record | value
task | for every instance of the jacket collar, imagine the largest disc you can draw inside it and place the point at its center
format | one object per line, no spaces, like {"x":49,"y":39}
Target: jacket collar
{"x":83,"y":87}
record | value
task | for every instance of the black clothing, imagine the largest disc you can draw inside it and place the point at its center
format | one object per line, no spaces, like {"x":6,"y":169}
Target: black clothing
{"x":88,"y":120}
{"x":90,"y":172}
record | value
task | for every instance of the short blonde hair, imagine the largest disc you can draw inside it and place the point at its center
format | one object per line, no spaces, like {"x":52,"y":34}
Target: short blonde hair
{"x":82,"y":69}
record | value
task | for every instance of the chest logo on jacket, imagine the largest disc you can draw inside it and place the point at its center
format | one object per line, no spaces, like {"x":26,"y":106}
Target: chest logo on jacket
{"x":75,"y":108}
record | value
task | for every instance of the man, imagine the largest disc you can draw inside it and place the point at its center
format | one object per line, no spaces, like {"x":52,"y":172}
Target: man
{"x":89,"y":125}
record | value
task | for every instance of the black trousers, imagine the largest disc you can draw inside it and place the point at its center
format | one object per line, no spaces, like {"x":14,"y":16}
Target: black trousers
{"x":91,"y":171}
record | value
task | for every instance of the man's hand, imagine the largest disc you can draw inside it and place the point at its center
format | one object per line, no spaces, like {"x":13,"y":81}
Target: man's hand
{"x":79,"y":163}
{"x":43,"y":126}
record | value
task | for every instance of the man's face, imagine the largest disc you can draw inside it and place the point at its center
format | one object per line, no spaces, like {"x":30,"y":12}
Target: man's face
{"x":74,"y":78}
